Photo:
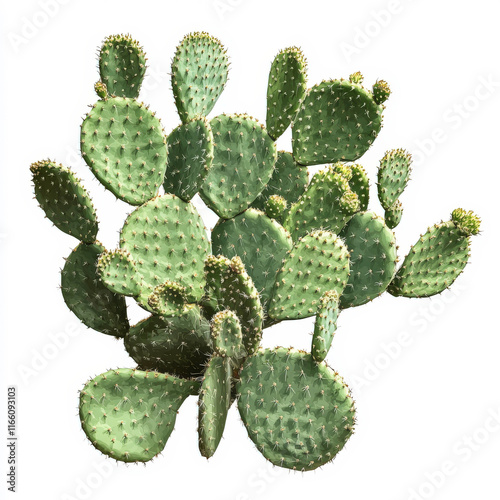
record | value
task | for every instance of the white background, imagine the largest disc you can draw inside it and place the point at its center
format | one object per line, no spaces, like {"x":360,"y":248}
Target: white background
{"x":425,"y":405}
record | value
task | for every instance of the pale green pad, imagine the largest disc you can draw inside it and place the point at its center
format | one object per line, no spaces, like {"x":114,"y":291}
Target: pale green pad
{"x":168,"y":299}
{"x":328,"y":203}
{"x":433,"y":263}
{"x":180,"y":345}
{"x":373,"y":257}
{"x":123,"y":144}
{"x":199,"y":74}
{"x":286,"y":87}
{"x":317,"y":263}
{"x":118,"y":272}
{"x":337,"y":121}
{"x":215,"y":398}
{"x":167,"y":239}
{"x":226,"y":335}
{"x":393,"y":176}
{"x":244,"y":158}
{"x":190,"y":156}
{"x":230,"y":287}
{"x":325,"y":325}
{"x":298,"y":413}
{"x":259,"y":241}
{"x":86,"y":295}
{"x":64,"y":200}
{"x":130,"y":414}
{"x":122,"y":65}
{"x":289,"y":180}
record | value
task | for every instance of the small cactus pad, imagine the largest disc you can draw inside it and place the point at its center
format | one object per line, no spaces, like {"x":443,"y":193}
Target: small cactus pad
{"x":286,"y":88}
{"x":317,"y":263}
{"x":226,"y":335}
{"x":276,"y":208}
{"x":373,"y":257}
{"x":190,"y":156}
{"x":167,"y":239}
{"x":298,"y":413}
{"x":122,"y":142}
{"x":229,"y":285}
{"x":328,"y":203}
{"x":86,"y":295}
{"x":289,"y":180}
{"x":122,"y":65}
{"x":168,"y":299}
{"x":381,"y":91}
{"x":360,"y":185}
{"x":259,"y":241}
{"x":337,"y":121}
{"x":393,"y":176}
{"x":118,"y":272}
{"x":130,"y":414}
{"x":199,"y":74}
{"x":214,"y":402}
{"x":435,"y":261}
{"x":325,"y":325}
{"x":101,"y":90}
{"x":394,"y":214}
{"x":180,"y":345}
{"x":64,"y":200}
{"x":244,"y":158}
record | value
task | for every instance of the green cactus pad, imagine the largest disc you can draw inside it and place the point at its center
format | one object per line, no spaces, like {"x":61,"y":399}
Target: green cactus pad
{"x":298,"y":413}
{"x":276,"y":208}
{"x":101,"y":90}
{"x":86,"y":295}
{"x":168,"y":299}
{"x":190,"y":156}
{"x":130,"y":414}
{"x":230,"y":287}
{"x":325,"y":325}
{"x":180,"y":345}
{"x":118,"y":272}
{"x":226,"y":335}
{"x":393,"y":176}
{"x":122,"y":65}
{"x":122,"y":142}
{"x":214,"y":402}
{"x":199,"y":74}
{"x":259,"y":241}
{"x":286,"y":88}
{"x":64,"y":200}
{"x":167,"y":239}
{"x":244,"y":158}
{"x":373,"y":257}
{"x":317,"y":263}
{"x":433,"y":263}
{"x":394,"y":214}
{"x":289,"y":180}
{"x":337,"y":121}
{"x":328,"y":203}
{"x":381,"y":91}
{"x":360,"y":185}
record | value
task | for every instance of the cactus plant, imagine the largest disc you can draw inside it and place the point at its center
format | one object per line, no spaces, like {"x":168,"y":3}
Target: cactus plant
{"x":285,"y":247}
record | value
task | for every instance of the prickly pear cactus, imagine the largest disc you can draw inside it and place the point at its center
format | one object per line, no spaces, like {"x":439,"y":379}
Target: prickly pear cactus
{"x":286,"y":247}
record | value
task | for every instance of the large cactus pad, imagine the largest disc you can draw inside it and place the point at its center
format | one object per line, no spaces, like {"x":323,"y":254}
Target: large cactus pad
{"x":298,"y":413}
{"x":122,"y":141}
{"x":167,"y":240}
{"x":130,"y":414}
{"x":244,"y":158}
{"x":337,"y":121}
